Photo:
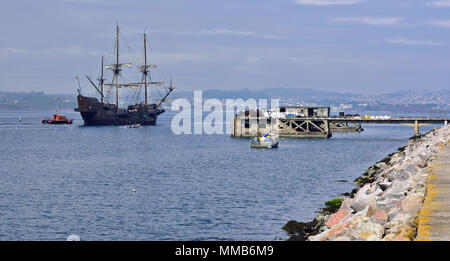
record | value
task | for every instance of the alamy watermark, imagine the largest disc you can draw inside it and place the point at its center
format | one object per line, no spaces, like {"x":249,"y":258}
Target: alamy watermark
{"x":191,"y":118}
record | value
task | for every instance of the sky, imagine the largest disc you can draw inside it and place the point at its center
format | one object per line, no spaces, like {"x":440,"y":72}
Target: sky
{"x":358,"y":46}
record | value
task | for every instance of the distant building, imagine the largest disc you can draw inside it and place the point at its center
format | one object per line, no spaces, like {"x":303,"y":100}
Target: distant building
{"x":307,"y":112}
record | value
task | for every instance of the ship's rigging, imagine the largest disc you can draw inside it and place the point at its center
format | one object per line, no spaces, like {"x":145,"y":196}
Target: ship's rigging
{"x":107,"y":110}
{"x":117,"y":81}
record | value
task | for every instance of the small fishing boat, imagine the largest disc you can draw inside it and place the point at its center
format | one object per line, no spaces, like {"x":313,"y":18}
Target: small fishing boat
{"x":57,"y":119}
{"x":268,"y":140}
{"x":137,"y":125}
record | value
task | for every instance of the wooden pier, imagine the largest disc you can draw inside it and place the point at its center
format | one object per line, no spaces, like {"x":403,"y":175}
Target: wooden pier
{"x":415,"y":121}
{"x":320,"y":127}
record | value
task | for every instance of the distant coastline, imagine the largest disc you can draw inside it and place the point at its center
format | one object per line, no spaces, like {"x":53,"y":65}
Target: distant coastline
{"x":34,"y":101}
{"x":424,"y":102}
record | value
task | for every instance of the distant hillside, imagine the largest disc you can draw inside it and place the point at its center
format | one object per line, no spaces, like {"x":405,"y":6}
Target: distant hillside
{"x":441,"y":97}
{"x":36,"y":101}
{"x":402,"y":101}
{"x":304,"y":92}
{"x":264,"y":93}
{"x":411,"y":101}
{"x":223,"y":94}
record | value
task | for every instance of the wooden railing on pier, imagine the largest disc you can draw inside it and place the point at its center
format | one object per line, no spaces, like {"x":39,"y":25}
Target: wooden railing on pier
{"x":308,"y":127}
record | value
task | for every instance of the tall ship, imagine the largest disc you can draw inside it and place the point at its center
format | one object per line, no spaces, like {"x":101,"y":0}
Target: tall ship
{"x":105,"y":112}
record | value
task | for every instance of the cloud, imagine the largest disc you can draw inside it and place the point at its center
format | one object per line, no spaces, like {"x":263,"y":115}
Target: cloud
{"x":167,"y":57}
{"x":327,"y":60}
{"x":328,"y":2}
{"x":230,"y":32}
{"x":180,"y":57}
{"x":82,"y":1}
{"x":442,"y":3}
{"x":70,"y":50}
{"x":67,"y":50}
{"x":442,"y":23}
{"x":219,"y":31}
{"x":405,"y":41}
{"x":376,"y":21}
{"x":11,"y":51}
{"x":250,"y":64}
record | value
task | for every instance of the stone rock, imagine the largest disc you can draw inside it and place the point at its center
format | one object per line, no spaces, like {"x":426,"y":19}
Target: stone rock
{"x":421,"y":164}
{"x":401,"y":148}
{"x":342,"y":239}
{"x":353,"y":193}
{"x":373,"y":238}
{"x":365,"y":196}
{"x":397,"y":196}
{"x":331,"y":234}
{"x":321,"y":217}
{"x":347,"y":203}
{"x":399,"y":175}
{"x":380,"y":216}
{"x":389,"y":237}
{"x":382,"y":164}
{"x":389,"y":200}
{"x":406,"y":232}
{"x":358,"y":206}
{"x":368,"y":231}
{"x":359,"y":218}
{"x":300,"y":231}
{"x":339,"y":230}
{"x":413,"y":201}
{"x":337,"y":217}
{"x":399,"y":187}
{"x":419,"y":180}
{"x":412,"y":169}
{"x":387,"y":203}
{"x":292,"y":226}
{"x":400,"y":220}
{"x":424,"y":156}
{"x":373,"y":188}
{"x":385,"y":185}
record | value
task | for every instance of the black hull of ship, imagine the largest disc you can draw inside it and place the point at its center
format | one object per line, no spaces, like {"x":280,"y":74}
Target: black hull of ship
{"x":94,"y":112}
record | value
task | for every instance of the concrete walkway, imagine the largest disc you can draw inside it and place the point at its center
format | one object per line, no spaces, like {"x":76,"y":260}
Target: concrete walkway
{"x":434,"y":218}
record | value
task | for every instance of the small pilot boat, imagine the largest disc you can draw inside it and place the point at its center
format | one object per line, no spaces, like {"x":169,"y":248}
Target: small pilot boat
{"x":57,"y":119}
{"x":137,"y":125}
{"x":267,"y":141}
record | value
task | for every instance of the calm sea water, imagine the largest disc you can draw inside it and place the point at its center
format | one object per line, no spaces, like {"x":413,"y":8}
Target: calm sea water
{"x":72,"y":179}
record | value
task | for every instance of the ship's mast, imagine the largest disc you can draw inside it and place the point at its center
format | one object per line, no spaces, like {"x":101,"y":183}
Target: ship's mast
{"x":116,"y":68}
{"x":101,"y":81}
{"x":145,"y":71}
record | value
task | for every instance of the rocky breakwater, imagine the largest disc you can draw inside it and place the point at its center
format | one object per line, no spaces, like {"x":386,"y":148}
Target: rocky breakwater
{"x":387,"y":204}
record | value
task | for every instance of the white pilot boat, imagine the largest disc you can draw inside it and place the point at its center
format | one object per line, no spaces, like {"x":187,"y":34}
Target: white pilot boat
{"x":268,"y":140}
